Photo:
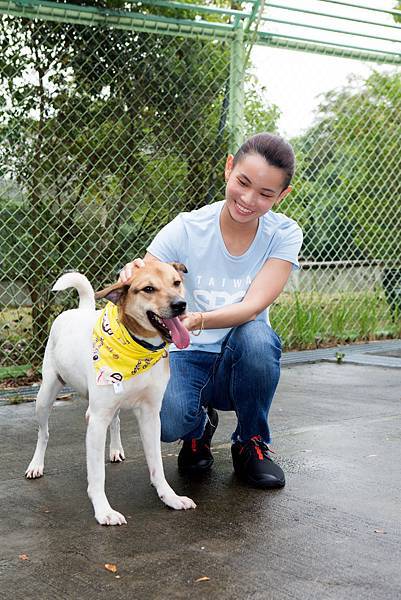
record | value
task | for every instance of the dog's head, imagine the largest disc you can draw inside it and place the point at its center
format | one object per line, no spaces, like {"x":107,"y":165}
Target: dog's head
{"x":152,"y":301}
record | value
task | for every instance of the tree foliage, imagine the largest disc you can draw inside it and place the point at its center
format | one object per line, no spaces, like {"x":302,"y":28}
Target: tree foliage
{"x":108,"y":134}
{"x":350,"y":173}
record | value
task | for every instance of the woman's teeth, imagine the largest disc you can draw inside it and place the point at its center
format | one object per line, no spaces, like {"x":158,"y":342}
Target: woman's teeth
{"x":243,"y":210}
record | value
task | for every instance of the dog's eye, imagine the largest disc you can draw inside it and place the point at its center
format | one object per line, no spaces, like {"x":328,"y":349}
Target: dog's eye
{"x":177,"y":283}
{"x":148,"y":289}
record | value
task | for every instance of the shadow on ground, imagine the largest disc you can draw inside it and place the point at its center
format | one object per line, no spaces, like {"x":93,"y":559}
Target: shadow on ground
{"x":332,"y":533}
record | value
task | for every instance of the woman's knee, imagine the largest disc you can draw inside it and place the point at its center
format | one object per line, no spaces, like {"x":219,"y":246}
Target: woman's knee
{"x":169,"y":432}
{"x":171,"y":422}
{"x":254,"y":339}
{"x":177,"y":422}
{"x":253,"y":354}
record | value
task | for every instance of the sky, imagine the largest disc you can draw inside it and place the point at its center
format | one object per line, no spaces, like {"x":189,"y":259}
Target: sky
{"x":295,"y":81}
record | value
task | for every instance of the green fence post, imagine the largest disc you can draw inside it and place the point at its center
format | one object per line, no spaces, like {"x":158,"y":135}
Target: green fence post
{"x":236,"y":98}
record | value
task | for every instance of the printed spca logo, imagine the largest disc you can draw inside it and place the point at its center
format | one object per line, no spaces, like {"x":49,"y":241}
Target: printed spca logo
{"x":216,"y":296}
{"x":209,"y":300}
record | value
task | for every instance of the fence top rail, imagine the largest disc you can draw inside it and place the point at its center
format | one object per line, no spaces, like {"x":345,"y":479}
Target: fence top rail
{"x":321,"y":28}
{"x":328,"y":48}
{"x":338,"y":17}
{"x":197,"y":8}
{"x":385,"y":11}
{"x":331,"y":22}
{"x":219,"y":23}
{"x":120,"y":19}
{"x":375,"y":9}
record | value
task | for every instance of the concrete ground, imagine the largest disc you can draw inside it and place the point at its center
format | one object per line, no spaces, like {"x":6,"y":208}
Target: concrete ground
{"x":334,"y":531}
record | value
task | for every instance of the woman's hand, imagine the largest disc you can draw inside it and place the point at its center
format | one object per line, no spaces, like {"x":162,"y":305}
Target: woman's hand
{"x":193,"y":321}
{"x":128,"y":271}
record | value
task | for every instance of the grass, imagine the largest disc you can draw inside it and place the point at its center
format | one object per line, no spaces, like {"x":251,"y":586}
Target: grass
{"x":15,"y":336}
{"x":311,"y":319}
{"x":15,"y":371}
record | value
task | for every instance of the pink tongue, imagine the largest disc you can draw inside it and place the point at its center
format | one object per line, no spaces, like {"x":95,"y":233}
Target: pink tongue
{"x":179,"y":334}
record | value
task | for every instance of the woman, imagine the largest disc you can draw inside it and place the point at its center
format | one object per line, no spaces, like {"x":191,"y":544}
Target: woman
{"x":239,"y":255}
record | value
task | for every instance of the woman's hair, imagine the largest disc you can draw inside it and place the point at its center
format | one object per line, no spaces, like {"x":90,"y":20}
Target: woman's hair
{"x":274,"y":149}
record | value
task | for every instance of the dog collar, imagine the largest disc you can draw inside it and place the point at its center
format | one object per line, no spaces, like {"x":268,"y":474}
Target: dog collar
{"x":117,"y":354}
{"x":146,"y":344}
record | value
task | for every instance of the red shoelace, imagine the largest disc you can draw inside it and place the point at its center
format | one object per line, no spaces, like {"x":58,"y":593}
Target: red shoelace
{"x":194,"y":445}
{"x":259,"y":446}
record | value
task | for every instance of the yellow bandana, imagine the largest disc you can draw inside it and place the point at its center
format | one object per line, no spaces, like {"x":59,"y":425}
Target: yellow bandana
{"x":116,"y":355}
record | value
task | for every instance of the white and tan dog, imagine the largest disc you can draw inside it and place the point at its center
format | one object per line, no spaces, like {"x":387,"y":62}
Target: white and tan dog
{"x":149,"y":306}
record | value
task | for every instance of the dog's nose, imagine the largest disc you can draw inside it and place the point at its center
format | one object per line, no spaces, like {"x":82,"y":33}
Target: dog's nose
{"x":178,"y":307}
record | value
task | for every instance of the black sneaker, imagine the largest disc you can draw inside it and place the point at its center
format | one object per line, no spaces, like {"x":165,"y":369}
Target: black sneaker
{"x":195,"y":455}
{"x":252,"y":464}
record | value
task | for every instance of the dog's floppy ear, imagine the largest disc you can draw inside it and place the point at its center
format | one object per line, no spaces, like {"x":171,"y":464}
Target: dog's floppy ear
{"x":114,"y":292}
{"x":179,"y":267}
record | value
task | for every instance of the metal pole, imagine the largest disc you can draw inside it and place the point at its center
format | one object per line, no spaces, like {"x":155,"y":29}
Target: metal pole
{"x":236,"y":94}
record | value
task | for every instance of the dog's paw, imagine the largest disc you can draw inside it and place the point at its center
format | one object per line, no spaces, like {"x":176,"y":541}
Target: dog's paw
{"x":34,"y":471}
{"x":110,"y":517}
{"x":178,"y":502}
{"x":117,"y":455}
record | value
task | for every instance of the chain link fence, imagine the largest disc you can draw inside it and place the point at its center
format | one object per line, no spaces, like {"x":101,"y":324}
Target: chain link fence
{"x":106,"y":134}
{"x":347,"y":198}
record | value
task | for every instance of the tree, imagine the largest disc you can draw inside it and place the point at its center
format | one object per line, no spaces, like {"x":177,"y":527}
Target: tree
{"x":108,"y":133}
{"x":350,"y":168}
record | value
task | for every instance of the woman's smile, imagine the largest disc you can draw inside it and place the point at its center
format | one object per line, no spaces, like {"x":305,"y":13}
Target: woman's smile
{"x":242,"y":209}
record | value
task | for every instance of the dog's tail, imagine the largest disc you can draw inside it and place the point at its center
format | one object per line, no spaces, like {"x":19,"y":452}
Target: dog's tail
{"x":81,"y":283}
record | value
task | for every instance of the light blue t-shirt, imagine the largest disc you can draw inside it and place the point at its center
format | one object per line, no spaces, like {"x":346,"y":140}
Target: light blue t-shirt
{"x":215,"y":278}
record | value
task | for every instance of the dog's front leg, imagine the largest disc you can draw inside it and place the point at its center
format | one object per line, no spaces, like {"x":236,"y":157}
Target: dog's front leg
{"x":149,"y":425}
{"x":116,"y":447}
{"x":95,"y":445}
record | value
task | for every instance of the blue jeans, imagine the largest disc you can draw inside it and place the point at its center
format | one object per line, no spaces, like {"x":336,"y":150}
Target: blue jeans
{"x":242,"y":378}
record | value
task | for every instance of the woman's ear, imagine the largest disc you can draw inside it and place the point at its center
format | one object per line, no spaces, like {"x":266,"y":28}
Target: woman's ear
{"x":229,"y":166}
{"x":283,"y":194}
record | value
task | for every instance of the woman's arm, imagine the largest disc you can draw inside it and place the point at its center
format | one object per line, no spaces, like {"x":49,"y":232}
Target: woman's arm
{"x":265,"y":288}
